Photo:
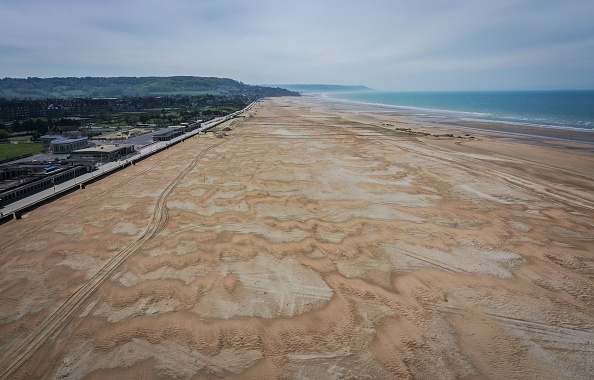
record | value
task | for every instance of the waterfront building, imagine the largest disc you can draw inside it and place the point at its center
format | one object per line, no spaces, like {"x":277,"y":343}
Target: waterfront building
{"x":47,"y":139}
{"x":65,"y":145}
{"x":20,"y":180}
{"x":103,"y":153}
{"x":168,"y":134}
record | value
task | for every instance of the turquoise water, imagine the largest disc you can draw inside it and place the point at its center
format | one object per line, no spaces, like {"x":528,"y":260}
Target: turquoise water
{"x":559,"y":109}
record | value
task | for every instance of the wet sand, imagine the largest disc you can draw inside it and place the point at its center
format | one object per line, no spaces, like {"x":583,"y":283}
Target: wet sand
{"x":522,"y":131}
{"x":315,"y":240}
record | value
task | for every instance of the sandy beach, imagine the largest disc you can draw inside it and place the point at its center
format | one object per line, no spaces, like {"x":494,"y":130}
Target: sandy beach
{"x":316,"y":240}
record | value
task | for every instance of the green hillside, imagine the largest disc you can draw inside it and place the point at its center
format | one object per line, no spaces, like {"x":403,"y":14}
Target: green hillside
{"x":100,"y":87}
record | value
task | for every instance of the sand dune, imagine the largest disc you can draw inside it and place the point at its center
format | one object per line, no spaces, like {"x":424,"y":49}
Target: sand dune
{"x":315,"y":241}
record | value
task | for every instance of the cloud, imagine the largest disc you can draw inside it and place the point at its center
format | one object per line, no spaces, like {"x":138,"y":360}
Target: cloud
{"x":383,"y":44}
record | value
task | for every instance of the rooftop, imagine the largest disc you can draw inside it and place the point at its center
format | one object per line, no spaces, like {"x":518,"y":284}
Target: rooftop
{"x":67,"y":140}
{"x":165,"y":131}
{"x":102,"y":149}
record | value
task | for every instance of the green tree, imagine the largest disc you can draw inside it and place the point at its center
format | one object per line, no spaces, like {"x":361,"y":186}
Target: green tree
{"x":41,"y":126}
{"x":3,"y":134}
{"x":15,"y":126}
{"x":105,"y":115}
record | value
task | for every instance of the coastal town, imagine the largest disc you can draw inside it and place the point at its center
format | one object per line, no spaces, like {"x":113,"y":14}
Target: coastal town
{"x":72,"y":163}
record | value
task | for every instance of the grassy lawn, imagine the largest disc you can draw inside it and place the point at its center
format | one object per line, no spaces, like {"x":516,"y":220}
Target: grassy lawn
{"x":8,"y":151}
{"x":20,"y":138}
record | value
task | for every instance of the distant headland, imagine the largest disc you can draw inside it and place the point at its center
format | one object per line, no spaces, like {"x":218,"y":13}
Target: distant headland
{"x":322,"y":87}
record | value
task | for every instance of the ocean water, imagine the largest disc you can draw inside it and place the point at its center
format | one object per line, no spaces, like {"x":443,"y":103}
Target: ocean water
{"x":555,"y":109}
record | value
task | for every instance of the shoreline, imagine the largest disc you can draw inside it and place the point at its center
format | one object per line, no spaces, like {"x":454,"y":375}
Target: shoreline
{"x":493,"y":141}
{"x":441,"y":117}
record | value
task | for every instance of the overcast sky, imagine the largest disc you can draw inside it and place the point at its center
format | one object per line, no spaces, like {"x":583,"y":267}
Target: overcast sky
{"x":388,"y":45}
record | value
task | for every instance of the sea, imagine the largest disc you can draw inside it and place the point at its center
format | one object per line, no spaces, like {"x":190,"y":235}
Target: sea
{"x":552,"y":109}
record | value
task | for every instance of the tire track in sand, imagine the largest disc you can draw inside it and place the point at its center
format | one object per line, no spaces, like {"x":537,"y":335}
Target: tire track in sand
{"x":15,"y":357}
{"x":26,"y":232}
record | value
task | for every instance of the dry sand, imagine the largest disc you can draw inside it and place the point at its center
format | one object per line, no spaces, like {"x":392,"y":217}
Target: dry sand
{"x":313,"y":241}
